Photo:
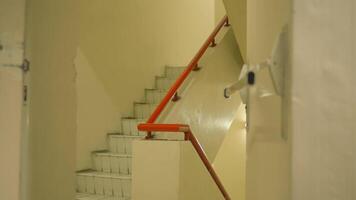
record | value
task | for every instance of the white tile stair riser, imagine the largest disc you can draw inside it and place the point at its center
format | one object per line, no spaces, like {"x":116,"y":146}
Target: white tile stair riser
{"x":122,"y":144}
{"x":120,"y":164}
{"x":144,"y":111}
{"x":82,"y":196}
{"x":174,"y":72}
{"x":163,"y":83}
{"x":104,"y":185}
{"x":154,"y":96}
{"x":129,"y":127}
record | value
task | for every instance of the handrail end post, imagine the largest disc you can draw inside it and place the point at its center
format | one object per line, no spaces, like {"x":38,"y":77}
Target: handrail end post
{"x":213,"y":43}
{"x":196,"y":68}
{"x":227,"y":23}
{"x":176,"y":97}
{"x":149,"y":135}
{"x":187,"y":136}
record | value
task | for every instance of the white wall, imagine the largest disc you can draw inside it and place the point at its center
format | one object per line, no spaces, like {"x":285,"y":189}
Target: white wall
{"x":96,"y":113}
{"x":10,"y":132}
{"x":51,"y":41}
{"x":230,"y":162}
{"x":220,"y":10}
{"x":323,"y":100}
{"x":195,"y":182}
{"x":11,"y":85}
{"x":156,"y":170}
{"x":265,"y":20}
{"x":237,"y":12}
{"x":170,"y":170}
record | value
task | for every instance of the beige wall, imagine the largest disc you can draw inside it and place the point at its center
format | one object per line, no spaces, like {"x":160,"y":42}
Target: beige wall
{"x":11,"y":86}
{"x":230,"y":162}
{"x":268,"y":171}
{"x":220,"y":11}
{"x":127,"y":43}
{"x":265,"y":20}
{"x":323,"y":100}
{"x":237,"y":12}
{"x":156,"y":170}
{"x":96,"y":113}
{"x":51,"y":47}
{"x":256,"y":24}
{"x":195,"y":181}
{"x":10,"y":131}
{"x":124,"y":45}
{"x":172,"y":170}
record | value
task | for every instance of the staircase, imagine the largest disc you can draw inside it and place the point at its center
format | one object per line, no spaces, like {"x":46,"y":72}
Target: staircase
{"x":110,"y":177}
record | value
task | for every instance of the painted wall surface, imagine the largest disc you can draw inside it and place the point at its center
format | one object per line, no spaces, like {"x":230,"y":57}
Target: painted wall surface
{"x":230,"y":162}
{"x":156,"y":170}
{"x":256,"y":24}
{"x":10,"y":131}
{"x":128,"y":43}
{"x":195,"y":181}
{"x":203,"y":105}
{"x":12,"y":14}
{"x":125,"y":45}
{"x":265,"y":20}
{"x":96,"y":113}
{"x":268,"y":170}
{"x":323,"y":100}
{"x":51,"y":42}
{"x":237,"y":12}
{"x":172,"y":170}
{"x":220,"y":10}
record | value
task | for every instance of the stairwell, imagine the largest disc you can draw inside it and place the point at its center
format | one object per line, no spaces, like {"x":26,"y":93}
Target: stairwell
{"x":110,"y":176}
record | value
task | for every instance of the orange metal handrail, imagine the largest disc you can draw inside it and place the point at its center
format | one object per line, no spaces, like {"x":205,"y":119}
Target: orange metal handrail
{"x":149,"y":126}
{"x":188,"y":135}
{"x":193,"y":64}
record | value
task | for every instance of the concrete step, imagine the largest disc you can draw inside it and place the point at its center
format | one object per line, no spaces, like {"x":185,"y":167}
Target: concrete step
{"x":121,"y":144}
{"x":164,"y":83}
{"x":143,"y":110}
{"x":112,"y":162}
{"x":129,"y":126}
{"x":154,"y":96}
{"x":101,"y":183}
{"x":173,"y":72}
{"x":84,"y":196}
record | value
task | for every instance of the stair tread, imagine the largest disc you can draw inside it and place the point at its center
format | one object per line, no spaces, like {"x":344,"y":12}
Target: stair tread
{"x":94,"y":173}
{"x":125,"y":136}
{"x":156,"y":90}
{"x":166,"y":77}
{"x":109,"y":153}
{"x":134,"y":118}
{"x":86,"y":196}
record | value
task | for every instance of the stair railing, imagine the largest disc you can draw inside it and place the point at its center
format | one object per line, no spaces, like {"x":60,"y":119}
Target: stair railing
{"x":172,"y":94}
